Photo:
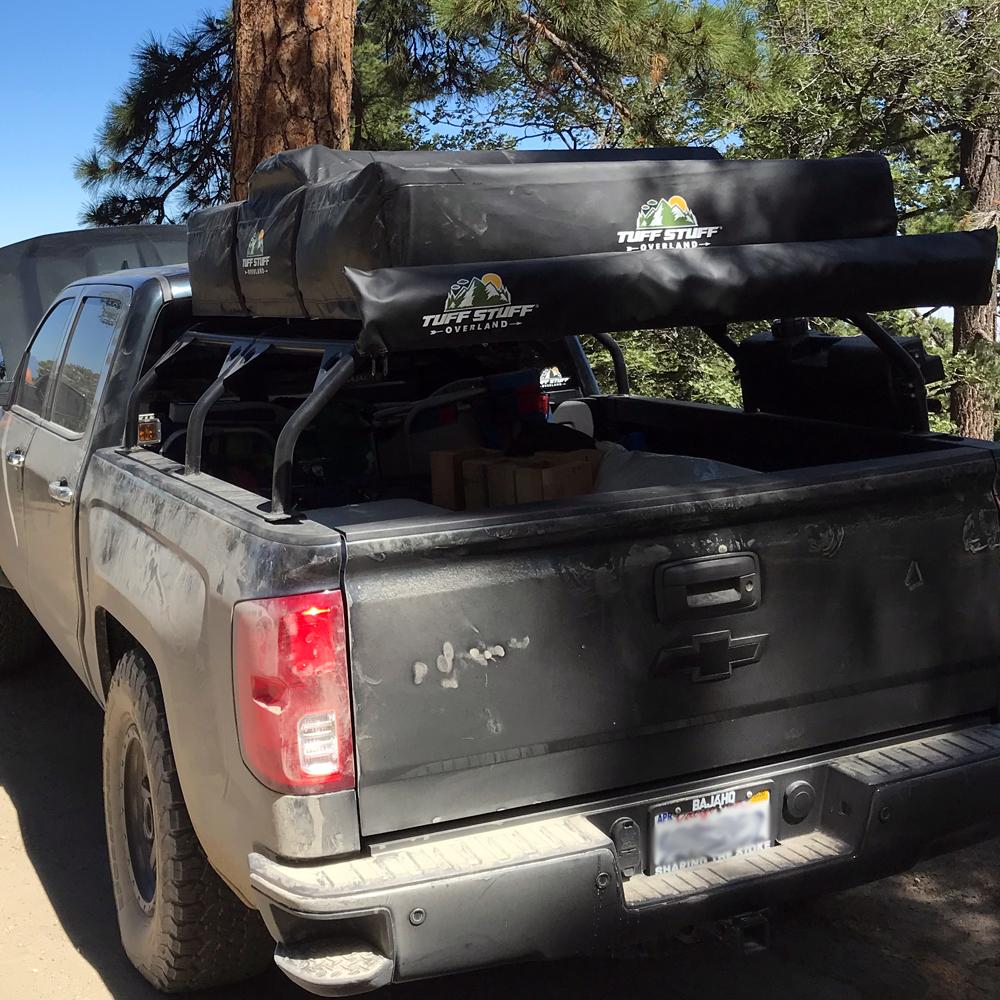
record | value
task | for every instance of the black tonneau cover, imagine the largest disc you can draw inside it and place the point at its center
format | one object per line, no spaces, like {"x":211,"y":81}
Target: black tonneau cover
{"x":284,"y":251}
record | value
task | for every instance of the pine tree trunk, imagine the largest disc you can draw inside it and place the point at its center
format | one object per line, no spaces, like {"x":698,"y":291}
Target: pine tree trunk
{"x":292,"y":79}
{"x":973,"y":406}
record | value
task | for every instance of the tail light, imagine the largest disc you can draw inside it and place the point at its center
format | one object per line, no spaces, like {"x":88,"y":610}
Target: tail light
{"x":293,"y":703}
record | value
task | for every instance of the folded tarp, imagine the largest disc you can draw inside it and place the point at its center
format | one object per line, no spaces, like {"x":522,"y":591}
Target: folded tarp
{"x":410,"y":308}
{"x":283,"y":252}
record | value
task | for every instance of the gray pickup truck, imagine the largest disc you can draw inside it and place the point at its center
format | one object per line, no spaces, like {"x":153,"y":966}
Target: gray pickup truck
{"x":403,"y":740}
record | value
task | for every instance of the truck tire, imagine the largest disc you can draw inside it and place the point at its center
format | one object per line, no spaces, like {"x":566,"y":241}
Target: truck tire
{"x":181,"y":926}
{"x":22,"y":640}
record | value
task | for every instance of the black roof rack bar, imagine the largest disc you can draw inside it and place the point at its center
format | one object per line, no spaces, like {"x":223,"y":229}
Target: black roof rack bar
{"x":335,"y":373}
{"x":903,"y":362}
{"x":143,"y":386}
{"x":240,"y":354}
{"x":204,"y":333}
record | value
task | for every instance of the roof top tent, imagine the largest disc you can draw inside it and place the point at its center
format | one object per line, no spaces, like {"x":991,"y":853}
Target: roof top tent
{"x":34,"y":271}
{"x":472,"y":251}
{"x":312,"y":213}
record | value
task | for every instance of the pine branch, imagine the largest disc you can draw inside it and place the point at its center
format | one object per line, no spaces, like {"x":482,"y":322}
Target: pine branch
{"x":573,"y":57}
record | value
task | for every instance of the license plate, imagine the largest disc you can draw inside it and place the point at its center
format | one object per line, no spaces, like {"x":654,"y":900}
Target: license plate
{"x":710,"y":827}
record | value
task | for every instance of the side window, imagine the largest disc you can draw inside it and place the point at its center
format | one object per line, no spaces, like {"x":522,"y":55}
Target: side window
{"x":84,"y":364}
{"x":43,"y":356}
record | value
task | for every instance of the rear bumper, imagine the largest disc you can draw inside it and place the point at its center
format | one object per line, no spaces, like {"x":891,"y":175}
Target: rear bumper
{"x":551,"y":888}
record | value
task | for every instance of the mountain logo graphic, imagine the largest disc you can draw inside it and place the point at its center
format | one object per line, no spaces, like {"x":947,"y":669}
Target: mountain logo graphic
{"x":667,"y":224}
{"x":255,"y":261}
{"x":665,"y":213}
{"x":477,"y":305}
{"x":489,"y":290}
{"x":255,"y":248}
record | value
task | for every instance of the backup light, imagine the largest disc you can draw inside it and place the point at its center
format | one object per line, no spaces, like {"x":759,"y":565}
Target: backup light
{"x":292,"y":696}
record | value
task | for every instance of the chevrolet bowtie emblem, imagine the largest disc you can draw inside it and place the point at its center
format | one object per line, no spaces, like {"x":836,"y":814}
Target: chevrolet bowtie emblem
{"x":711,"y":656}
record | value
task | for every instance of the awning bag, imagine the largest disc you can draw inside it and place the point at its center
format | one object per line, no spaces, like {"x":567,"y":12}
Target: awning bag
{"x":410,"y":308}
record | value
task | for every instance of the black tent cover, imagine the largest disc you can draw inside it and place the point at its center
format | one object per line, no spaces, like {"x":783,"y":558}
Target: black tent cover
{"x":283,"y":252}
{"x":34,"y":271}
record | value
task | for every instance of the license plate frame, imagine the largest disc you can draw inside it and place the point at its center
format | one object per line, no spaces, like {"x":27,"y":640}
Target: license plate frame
{"x":717,"y":824}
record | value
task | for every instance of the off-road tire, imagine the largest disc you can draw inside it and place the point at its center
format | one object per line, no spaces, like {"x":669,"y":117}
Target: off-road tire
{"x":22,"y":641}
{"x":191,"y":932}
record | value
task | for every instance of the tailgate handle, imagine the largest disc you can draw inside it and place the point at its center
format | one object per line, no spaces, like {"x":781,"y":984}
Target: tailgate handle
{"x":709,"y":587}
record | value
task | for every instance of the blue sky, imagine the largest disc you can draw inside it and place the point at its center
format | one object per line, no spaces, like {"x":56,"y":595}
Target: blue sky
{"x":63,"y":62}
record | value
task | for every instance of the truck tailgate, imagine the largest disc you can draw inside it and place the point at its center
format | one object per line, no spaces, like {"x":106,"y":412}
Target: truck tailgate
{"x":528,"y":656}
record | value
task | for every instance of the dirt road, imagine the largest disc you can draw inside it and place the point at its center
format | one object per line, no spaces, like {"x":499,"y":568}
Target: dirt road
{"x":934,"y":933}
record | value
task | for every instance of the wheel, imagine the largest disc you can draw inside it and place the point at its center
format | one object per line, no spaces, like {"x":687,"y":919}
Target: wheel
{"x":22,"y":640}
{"x":181,"y":926}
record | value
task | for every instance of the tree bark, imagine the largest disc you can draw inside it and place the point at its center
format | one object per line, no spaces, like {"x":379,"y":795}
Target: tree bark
{"x":973,"y":405}
{"x":292,"y":79}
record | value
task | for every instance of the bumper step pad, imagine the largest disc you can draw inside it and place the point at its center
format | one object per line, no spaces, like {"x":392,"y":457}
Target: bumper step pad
{"x":813,"y":848}
{"x":334,"y":968}
{"x":925,"y":756}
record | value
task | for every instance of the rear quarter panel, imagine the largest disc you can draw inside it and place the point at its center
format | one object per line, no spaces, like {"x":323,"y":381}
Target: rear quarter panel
{"x":169,"y":562}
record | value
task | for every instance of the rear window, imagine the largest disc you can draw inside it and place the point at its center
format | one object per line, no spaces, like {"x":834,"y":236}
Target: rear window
{"x":43,"y":356}
{"x":85,"y":361}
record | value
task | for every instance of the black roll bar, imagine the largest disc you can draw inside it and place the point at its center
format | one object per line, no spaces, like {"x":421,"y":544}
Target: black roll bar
{"x":719,"y":335}
{"x":240,"y":354}
{"x":618,"y":360}
{"x":903,"y":362}
{"x":336,"y":373}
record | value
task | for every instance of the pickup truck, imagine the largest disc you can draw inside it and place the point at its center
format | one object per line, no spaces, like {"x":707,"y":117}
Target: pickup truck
{"x":402,"y":740}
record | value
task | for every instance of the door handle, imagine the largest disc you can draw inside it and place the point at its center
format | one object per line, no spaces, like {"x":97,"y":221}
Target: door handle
{"x":710,"y":587}
{"x":15,"y":459}
{"x":61,"y":492}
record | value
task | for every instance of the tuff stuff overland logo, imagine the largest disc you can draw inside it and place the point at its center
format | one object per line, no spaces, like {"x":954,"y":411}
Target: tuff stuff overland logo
{"x":477,"y":305}
{"x":255,"y":261}
{"x":667,"y":224}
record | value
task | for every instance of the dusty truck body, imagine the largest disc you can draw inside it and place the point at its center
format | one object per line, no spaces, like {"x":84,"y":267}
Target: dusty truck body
{"x":417,"y":740}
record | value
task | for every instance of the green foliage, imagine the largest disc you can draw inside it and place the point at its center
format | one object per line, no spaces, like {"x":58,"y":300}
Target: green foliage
{"x":679,"y":364}
{"x":608,"y":72}
{"x":901,"y":77}
{"x":404,"y":67}
{"x":685,"y":364}
{"x":162,"y":150}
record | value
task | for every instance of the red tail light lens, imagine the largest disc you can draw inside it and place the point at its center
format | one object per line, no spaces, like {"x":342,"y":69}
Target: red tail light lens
{"x":293,"y":702}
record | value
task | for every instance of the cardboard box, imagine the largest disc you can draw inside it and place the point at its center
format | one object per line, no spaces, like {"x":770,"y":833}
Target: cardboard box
{"x":447,"y":483}
{"x":477,"y":478}
{"x":592,"y":456}
{"x":501,"y":482}
{"x":475,"y":484}
{"x":546,"y":480}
